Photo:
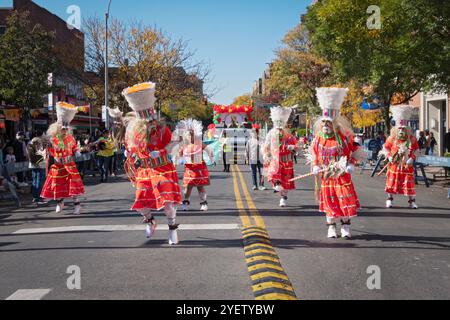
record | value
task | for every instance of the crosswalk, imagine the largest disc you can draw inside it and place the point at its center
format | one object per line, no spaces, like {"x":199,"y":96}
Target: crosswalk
{"x":29,"y":294}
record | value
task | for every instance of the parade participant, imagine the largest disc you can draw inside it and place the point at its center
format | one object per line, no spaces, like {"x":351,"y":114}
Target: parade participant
{"x":148,"y":164}
{"x":254,"y":155}
{"x":333,"y":155}
{"x":190,"y":150}
{"x":278,"y":154}
{"x":401,"y":150}
{"x":63,"y":180}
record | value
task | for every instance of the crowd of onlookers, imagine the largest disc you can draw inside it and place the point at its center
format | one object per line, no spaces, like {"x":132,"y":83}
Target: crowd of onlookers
{"x":101,"y":156}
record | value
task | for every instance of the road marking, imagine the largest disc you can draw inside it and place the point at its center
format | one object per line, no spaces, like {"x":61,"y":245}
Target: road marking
{"x":112,"y":228}
{"x":29,"y":294}
{"x":269,"y":280}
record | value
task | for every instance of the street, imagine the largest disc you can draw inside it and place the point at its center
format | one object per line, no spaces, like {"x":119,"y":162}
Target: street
{"x":244,"y":247}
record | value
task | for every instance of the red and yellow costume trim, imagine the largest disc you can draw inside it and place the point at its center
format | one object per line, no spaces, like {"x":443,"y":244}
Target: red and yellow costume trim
{"x":338,"y":198}
{"x":156,"y":179}
{"x":63,"y":180}
{"x":400,"y":177}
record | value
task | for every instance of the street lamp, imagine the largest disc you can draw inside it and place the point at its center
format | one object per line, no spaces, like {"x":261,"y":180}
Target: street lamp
{"x":107,"y":66}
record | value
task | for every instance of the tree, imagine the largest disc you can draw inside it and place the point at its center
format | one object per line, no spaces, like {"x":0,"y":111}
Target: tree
{"x":408,"y":54}
{"x":26,"y":59}
{"x":142,"y":53}
{"x":244,"y":100}
{"x":297,"y":71}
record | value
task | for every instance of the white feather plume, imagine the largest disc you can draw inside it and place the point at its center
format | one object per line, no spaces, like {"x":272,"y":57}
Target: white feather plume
{"x":331,"y":98}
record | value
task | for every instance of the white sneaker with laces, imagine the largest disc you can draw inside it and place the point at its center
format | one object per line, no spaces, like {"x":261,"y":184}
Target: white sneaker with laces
{"x":332,"y":232}
{"x":262,"y":188}
{"x":413,"y":205}
{"x":204,"y":207}
{"x":283,"y":203}
{"x":185,"y":206}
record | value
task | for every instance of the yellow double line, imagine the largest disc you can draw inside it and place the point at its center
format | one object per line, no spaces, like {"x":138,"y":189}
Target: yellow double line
{"x":269,"y":280}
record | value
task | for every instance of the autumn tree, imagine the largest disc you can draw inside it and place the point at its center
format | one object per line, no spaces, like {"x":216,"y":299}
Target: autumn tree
{"x":408,"y":53}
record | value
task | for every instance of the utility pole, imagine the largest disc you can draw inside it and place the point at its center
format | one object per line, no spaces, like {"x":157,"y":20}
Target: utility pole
{"x":107,"y":65}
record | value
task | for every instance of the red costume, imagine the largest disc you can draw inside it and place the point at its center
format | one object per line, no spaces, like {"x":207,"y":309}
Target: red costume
{"x":196,"y":172}
{"x":63,"y":180}
{"x":338,"y":197}
{"x":156,"y":178}
{"x":400,"y":177}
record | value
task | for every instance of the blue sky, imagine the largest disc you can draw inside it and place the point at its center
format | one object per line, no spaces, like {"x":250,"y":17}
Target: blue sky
{"x":237,"y":37}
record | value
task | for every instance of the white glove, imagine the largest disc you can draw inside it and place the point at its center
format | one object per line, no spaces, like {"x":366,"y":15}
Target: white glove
{"x":391,"y":159}
{"x":126,"y":154}
{"x":316,"y":170}
{"x":410,"y":162}
{"x":155,"y":154}
{"x":350,"y":169}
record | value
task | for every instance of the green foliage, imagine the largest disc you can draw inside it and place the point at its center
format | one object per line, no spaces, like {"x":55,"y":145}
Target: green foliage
{"x":408,"y":54}
{"x":26,"y":59}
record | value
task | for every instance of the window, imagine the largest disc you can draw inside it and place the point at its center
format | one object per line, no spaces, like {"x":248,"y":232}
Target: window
{"x":2,"y":30}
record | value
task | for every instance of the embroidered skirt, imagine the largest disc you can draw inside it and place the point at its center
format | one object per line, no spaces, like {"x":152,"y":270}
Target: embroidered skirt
{"x":196,"y":175}
{"x":400,"y":180}
{"x":157,"y":186}
{"x":338,"y":198}
{"x":279,"y":171}
{"x":63,"y":181}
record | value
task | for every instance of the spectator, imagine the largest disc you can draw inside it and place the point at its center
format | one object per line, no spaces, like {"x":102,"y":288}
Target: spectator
{"x":381,"y":138}
{"x":427,"y":143}
{"x":447,"y":141}
{"x":254,"y":155}
{"x":10,"y":162}
{"x":20,"y":153}
{"x":433,"y":143}
{"x":226,"y":150}
{"x":37,"y":156}
{"x":422,"y":142}
{"x":105,"y":154}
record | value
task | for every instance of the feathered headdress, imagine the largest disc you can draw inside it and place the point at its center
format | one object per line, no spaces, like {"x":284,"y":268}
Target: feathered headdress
{"x":331,"y":101}
{"x":185,"y":127}
{"x":141,"y":99}
{"x":65,"y":112}
{"x":402,"y":114}
{"x":280,"y":116}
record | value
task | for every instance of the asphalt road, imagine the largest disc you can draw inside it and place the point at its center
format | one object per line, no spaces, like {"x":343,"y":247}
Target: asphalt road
{"x":409,"y":248}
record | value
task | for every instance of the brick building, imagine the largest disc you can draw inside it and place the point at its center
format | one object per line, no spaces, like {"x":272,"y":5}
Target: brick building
{"x":69,"y":50}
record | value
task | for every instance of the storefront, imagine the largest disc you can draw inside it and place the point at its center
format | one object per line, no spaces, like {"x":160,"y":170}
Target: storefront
{"x":434,"y":116}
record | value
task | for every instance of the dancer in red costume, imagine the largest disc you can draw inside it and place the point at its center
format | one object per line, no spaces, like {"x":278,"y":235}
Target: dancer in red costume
{"x":63,"y":180}
{"x":401,"y":149}
{"x":153,"y":174}
{"x":191,"y":152}
{"x":278,"y":154}
{"x":333,"y":155}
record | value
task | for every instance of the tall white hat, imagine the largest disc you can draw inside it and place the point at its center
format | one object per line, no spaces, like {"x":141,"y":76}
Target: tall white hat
{"x":141,"y":99}
{"x":65,"y":112}
{"x":402,"y":114}
{"x":185,"y":127}
{"x":280,"y":116}
{"x":331,"y":101}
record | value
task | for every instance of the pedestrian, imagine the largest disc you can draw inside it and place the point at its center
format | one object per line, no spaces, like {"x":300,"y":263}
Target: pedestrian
{"x":63,"y":180}
{"x":10,"y":163}
{"x":254,"y":154}
{"x":400,"y":148}
{"x":447,"y":141}
{"x":422,"y":143}
{"x":37,"y":156}
{"x":20,"y":153}
{"x":428,"y":142}
{"x":196,"y":174}
{"x":433,"y":144}
{"x":105,"y":154}
{"x":155,"y":178}
{"x":334,"y":155}
{"x":226,"y":151}
{"x":278,"y":157}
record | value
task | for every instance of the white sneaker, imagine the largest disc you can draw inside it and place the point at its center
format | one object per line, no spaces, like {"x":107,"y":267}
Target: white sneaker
{"x":60,"y":207}
{"x":283,"y":203}
{"x":204,"y":207}
{"x":345,"y":232}
{"x":262,"y":188}
{"x":413,"y":205}
{"x":77,"y":210}
{"x":173,"y":237}
{"x":389,"y":204}
{"x":278,"y":188}
{"x":150,"y":230}
{"x":332,"y":233}
{"x":255,"y":188}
